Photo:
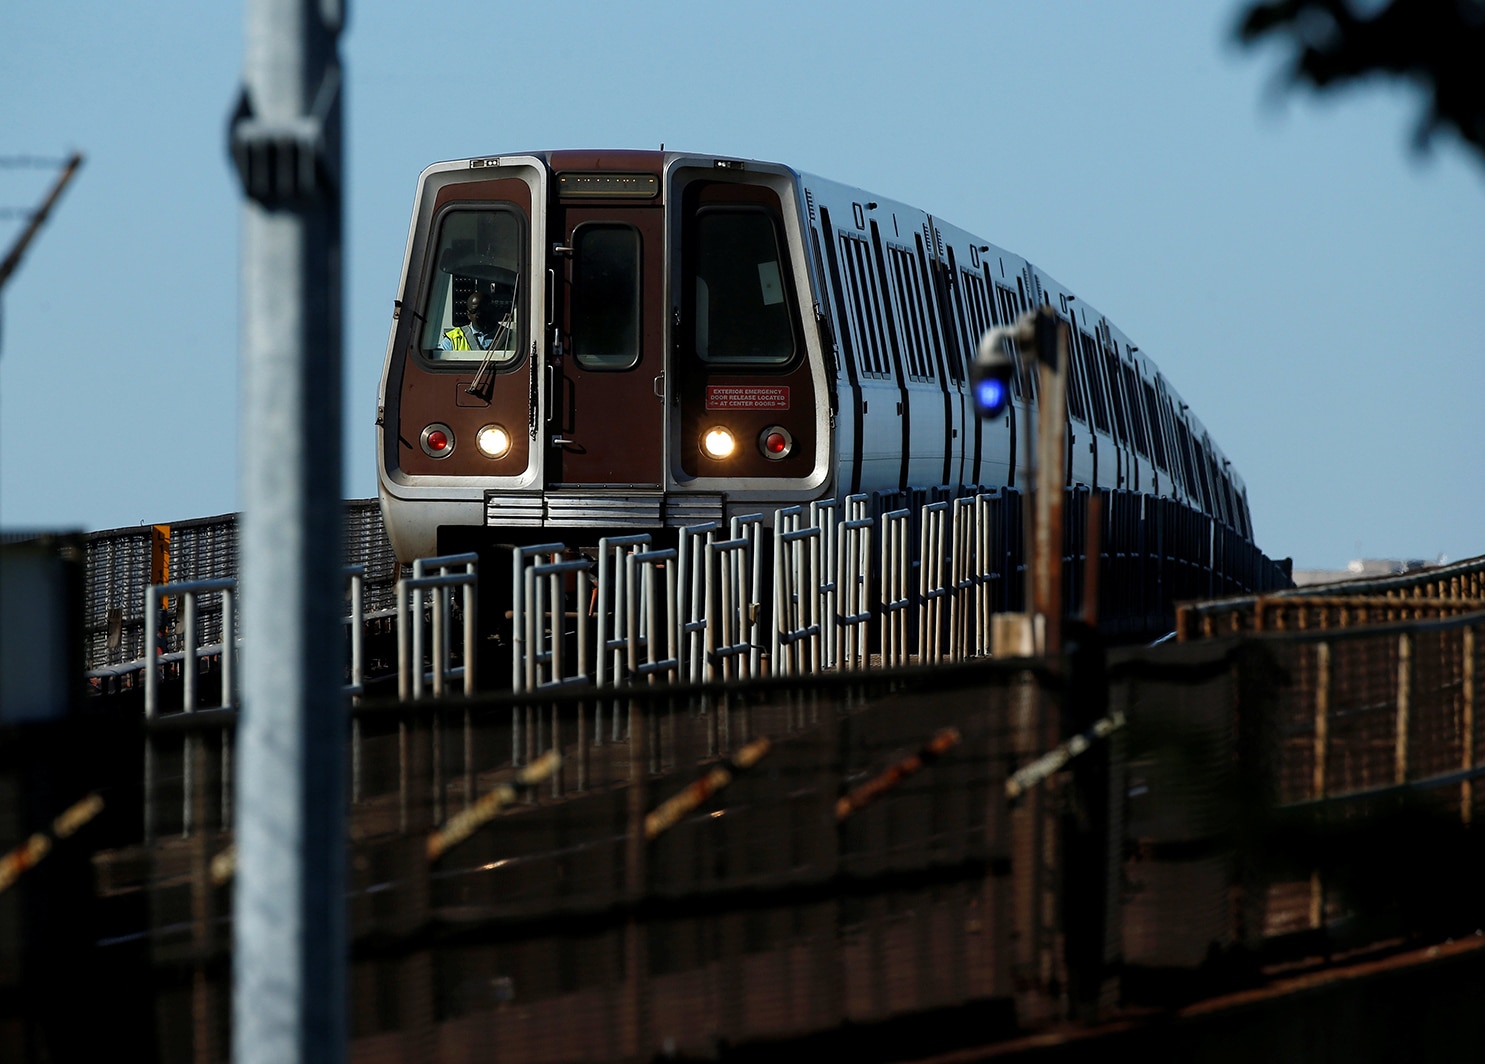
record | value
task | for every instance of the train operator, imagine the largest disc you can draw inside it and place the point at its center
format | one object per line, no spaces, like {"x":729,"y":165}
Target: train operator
{"x":482,"y":331}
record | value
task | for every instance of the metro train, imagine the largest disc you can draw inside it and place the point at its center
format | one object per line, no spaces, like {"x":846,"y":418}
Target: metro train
{"x":590,"y":343}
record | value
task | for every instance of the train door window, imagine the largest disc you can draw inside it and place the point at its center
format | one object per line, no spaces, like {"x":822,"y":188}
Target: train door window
{"x":740,"y":291}
{"x":1157,"y":436}
{"x":472,"y":313}
{"x":605,"y":296}
{"x":1096,"y":391}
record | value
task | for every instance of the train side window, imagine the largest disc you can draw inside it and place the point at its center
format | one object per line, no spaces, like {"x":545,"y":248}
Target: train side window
{"x":605,"y":296}
{"x":1157,"y":436}
{"x":978,"y":304}
{"x":477,"y":253}
{"x":976,"y":308}
{"x":1077,"y":404}
{"x":1116,"y":394}
{"x":1188,"y":460}
{"x":1010,"y":313}
{"x":1132,"y":404}
{"x":741,"y":288}
{"x":959,"y":284}
{"x":1096,"y":390}
{"x":910,"y":313}
{"x":868,"y":307}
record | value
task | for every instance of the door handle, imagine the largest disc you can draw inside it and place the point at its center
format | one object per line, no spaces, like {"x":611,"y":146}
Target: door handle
{"x":660,"y":386}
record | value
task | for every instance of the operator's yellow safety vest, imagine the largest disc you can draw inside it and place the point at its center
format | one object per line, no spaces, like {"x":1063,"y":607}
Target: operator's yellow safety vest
{"x":459,"y":339}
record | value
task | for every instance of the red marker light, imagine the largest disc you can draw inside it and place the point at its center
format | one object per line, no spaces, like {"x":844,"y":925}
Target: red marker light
{"x":437,"y":440}
{"x":776,"y":442}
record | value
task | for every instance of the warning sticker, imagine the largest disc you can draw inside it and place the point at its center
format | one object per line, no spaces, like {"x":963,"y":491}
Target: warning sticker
{"x":747,"y":397}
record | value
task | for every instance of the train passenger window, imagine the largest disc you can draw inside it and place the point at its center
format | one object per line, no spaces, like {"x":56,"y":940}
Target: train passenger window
{"x":867,"y":305}
{"x":1157,"y":437}
{"x":975,"y":307}
{"x":1132,"y":404}
{"x":1096,"y":389}
{"x":472,"y":313}
{"x":1116,"y":393}
{"x":913,"y":330}
{"x":1009,"y":313}
{"x":740,"y":289}
{"x":605,"y":296}
{"x":1077,"y":403}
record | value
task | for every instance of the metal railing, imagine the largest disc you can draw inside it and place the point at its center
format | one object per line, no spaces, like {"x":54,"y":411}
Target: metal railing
{"x":183,"y":602}
{"x":190,"y":660}
{"x":1442,"y":591}
{"x":852,"y":583}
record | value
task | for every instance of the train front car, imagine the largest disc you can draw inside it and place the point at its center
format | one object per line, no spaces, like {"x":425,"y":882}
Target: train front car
{"x":599,"y":343}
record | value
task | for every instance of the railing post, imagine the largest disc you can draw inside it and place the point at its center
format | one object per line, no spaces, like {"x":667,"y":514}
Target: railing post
{"x":1467,"y":726}
{"x":1404,"y":702}
{"x":1324,"y":676}
{"x":151,"y":705}
{"x":190,"y":676}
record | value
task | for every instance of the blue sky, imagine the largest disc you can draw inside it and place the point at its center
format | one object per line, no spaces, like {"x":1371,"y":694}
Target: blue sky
{"x":1306,"y":280}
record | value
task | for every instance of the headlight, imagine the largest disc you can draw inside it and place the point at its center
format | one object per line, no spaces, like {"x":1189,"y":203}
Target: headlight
{"x":493,"y":441}
{"x":718,"y":443}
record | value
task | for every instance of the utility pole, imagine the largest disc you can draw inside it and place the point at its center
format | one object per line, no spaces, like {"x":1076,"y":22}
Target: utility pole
{"x":289,"y":913}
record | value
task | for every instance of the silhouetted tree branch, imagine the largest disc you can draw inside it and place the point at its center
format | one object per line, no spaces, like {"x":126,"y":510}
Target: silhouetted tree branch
{"x":1438,"y":44}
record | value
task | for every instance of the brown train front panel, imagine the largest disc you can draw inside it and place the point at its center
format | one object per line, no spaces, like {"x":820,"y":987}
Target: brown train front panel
{"x":432,"y":393}
{"x":747,"y":401}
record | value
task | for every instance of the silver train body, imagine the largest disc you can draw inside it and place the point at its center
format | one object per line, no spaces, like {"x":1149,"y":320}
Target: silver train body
{"x":670,"y":338}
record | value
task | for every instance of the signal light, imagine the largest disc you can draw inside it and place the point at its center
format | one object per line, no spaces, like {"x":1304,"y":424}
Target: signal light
{"x":990,"y":375}
{"x":437,"y":440}
{"x":990,"y":395}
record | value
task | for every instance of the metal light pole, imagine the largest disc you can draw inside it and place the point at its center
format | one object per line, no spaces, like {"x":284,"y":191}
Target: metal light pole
{"x":1050,"y":474}
{"x":289,"y":934}
{"x":1042,"y":337}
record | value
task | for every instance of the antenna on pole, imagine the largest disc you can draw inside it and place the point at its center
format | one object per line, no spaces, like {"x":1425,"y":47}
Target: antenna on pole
{"x":13,"y":256}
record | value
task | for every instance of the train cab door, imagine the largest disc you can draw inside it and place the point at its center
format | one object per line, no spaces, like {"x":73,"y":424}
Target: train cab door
{"x":605,"y":418}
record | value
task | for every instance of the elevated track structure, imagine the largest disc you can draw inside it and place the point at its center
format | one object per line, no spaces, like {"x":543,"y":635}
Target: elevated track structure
{"x":1138,"y":843}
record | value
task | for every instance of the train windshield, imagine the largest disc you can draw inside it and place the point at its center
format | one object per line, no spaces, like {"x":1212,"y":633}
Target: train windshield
{"x":741,"y":300}
{"x":471,"y":314}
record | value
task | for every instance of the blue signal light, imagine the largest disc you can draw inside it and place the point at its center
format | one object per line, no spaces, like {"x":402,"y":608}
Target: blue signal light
{"x":990,"y":396}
